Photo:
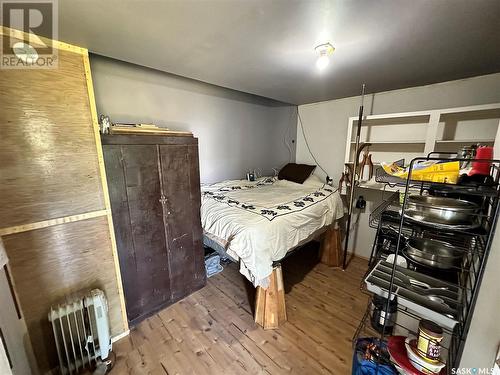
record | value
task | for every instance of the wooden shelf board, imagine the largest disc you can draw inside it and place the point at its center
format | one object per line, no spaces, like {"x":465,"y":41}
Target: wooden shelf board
{"x":374,"y":163}
{"x":377,"y":186}
{"x":402,"y":118}
{"x":492,"y":109}
{"x":466,"y":141}
{"x":374,"y":185}
{"x":419,"y":115}
{"x":419,"y":142}
{"x":430,"y":118}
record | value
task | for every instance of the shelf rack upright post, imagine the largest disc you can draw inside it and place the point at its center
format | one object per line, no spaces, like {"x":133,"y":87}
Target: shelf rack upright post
{"x":476,"y":245}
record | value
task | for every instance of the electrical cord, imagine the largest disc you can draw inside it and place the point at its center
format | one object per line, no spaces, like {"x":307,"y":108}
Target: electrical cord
{"x":110,"y":363}
{"x":286,"y":138}
{"x":307,"y":145}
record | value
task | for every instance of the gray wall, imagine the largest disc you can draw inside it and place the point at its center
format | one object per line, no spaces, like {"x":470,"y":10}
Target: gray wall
{"x":326,"y":122}
{"x":236,"y":131}
{"x":325,"y":126}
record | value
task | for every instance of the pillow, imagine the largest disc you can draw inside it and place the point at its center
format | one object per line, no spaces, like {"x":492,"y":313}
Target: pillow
{"x":296,"y":172}
{"x":314,"y":181}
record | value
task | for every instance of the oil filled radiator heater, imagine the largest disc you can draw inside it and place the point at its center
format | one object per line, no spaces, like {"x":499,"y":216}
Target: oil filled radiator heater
{"x":81,"y":331}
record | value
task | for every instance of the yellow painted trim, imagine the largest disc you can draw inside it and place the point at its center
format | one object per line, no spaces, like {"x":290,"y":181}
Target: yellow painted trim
{"x":120,"y":336}
{"x":52,"y":222}
{"x":102,"y":171}
{"x":21,"y":35}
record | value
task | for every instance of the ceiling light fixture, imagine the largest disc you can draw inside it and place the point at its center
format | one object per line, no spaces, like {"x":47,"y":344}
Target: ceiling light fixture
{"x":324,"y":50}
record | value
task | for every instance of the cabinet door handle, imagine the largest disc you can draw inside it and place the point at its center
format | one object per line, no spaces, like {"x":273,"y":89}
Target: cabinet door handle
{"x":164,"y":201}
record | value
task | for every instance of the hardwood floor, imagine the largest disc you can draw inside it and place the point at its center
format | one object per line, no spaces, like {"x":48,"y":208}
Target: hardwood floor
{"x":213,"y":332}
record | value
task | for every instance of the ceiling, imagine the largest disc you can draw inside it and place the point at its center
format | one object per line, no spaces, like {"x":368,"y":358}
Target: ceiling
{"x":266,"y":47}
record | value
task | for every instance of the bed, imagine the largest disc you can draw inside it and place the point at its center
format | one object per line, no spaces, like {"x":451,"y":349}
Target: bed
{"x":257,"y":223}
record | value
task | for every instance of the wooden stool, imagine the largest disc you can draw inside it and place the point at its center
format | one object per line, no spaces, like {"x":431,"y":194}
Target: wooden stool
{"x":331,"y":248}
{"x":270,"y":310}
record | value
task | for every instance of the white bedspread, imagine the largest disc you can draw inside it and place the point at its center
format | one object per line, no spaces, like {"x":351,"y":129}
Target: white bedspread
{"x":260,"y":221}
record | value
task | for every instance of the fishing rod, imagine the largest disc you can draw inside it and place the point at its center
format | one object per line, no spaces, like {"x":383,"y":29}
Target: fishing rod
{"x":357,"y":151}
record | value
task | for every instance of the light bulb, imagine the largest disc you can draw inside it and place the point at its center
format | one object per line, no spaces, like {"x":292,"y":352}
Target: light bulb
{"x":322,"y":62}
{"x":324,"y":50}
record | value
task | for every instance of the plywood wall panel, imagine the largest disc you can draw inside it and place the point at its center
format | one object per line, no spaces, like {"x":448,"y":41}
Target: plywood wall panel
{"x":50,"y":263}
{"x":48,"y":161}
{"x":55,"y":216}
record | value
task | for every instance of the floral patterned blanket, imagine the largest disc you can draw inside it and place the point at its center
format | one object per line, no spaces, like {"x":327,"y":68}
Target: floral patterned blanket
{"x":261,"y":221}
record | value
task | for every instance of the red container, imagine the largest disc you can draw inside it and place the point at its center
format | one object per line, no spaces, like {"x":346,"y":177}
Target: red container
{"x":482,"y":167}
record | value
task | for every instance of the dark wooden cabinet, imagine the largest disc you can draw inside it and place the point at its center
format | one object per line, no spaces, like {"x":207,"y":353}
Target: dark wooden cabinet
{"x":154,"y":188}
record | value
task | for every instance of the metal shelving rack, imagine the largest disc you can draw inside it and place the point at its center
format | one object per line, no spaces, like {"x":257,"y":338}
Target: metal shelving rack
{"x":393,"y":225}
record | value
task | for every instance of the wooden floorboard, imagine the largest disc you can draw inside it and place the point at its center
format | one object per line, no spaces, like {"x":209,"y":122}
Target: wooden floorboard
{"x":213,"y":332}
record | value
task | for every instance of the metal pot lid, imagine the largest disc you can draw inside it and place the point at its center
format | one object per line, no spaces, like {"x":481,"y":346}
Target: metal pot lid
{"x":442,"y":202}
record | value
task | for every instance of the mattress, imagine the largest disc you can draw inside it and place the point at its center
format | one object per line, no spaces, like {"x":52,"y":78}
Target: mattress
{"x":259,"y":222}
{"x":216,"y":244}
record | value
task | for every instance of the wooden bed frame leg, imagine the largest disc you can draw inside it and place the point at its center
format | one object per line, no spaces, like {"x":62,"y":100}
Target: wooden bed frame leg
{"x":270,"y":309}
{"x":331,"y":248}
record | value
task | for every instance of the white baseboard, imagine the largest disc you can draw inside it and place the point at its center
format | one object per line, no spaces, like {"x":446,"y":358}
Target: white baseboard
{"x":120,"y":336}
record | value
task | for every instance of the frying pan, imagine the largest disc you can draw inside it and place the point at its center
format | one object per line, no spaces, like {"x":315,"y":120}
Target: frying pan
{"x":433,"y":253}
{"x":442,"y":210}
{"x":430,"y":252}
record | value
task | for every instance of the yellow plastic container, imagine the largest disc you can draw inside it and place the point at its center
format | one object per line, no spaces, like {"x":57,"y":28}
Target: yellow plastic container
{"x":426,"y":171}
